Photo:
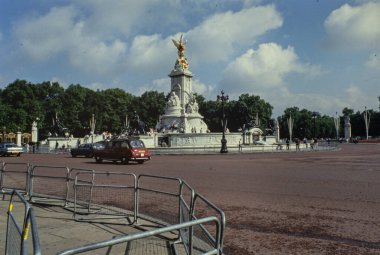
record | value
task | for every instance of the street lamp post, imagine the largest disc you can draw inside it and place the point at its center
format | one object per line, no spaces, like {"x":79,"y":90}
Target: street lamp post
{"x":290,"y":127}
{"x":223,"y":99}
{"x":337,"y":125}
{"x":367,"y":119}
{"x":314,"y":116}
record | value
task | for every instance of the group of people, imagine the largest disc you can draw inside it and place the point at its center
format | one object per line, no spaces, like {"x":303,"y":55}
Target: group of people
{"x":313,"y":143}
{"x":31,"y":147}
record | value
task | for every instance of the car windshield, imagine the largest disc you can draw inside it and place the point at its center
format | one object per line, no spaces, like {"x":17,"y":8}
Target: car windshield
{"x":137,"y":144}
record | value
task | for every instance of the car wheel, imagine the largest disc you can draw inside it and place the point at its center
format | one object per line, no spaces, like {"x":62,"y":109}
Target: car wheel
{"x":140,"y":162}
{"x":98,"y":159}
{"x":89,"y":155}
{"x":124,"y":160}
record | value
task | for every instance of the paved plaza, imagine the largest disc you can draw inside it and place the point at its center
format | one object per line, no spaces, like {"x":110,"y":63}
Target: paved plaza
{"x":325,"y":202}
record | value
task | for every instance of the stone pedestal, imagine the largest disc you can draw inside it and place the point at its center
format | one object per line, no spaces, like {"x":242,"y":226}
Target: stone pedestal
{"x":18,"y":138}
{"x":34,"y":132}
{"x":347,"y":128}
{"x":181,"y":113}
{"x":277,"y":132}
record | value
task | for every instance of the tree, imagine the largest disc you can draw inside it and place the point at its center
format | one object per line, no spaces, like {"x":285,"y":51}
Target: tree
{"x":50,"y":95}
{"x":74,"y":105}
{"x":249,"y":107}
{"x":347,"y":112}
{"x":210,"y":110}
{"x":115,"y":105}
{"x":149,"y":106}
{"x":20,"y":98}
{"x":306,"y":123}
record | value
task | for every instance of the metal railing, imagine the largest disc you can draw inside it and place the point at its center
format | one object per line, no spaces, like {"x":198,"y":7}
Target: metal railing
{"x":172,"y":209}
{"x":97,"y":199}
{"x":146,"y":234}
{"x":14,"y":176}
{"x":49,"y":183}
{"x":20,"y":222}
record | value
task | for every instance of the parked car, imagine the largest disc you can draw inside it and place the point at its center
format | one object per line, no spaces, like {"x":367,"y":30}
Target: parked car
{"x":9,"y":149}
{"x":123,"y":150}
{"x":86,"y":149}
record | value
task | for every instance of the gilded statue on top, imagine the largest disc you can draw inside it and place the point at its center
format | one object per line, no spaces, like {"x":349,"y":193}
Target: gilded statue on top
{"x":181,"y":61}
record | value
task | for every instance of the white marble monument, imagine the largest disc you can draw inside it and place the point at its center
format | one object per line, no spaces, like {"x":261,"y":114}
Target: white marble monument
{"x":347,"y":128}
{"x":34,"y":132}
{"x":181,"y":113}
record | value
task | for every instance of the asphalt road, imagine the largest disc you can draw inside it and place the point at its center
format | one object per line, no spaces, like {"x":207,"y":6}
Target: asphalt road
{"x":276,"y":203}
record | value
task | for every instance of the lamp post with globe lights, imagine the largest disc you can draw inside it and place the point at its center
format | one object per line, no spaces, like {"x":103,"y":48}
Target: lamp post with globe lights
{"x":223,"y":99}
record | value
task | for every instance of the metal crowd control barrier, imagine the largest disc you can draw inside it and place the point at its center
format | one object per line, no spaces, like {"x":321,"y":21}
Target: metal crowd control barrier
{"x":202,"y":236}
{"x":155,"y":232}
{"x":49,"y":184}
{"x":108,"y":196}
{"x":163,"y":207}
{"x":157,"y":198}
{"x":20,"y":222}
{"x":14,"y":176}
{"x":86,"y":175}
{"x":186,"y":202}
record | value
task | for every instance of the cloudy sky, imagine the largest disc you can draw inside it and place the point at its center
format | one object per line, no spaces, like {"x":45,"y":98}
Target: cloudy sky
{"x":322,"y":55}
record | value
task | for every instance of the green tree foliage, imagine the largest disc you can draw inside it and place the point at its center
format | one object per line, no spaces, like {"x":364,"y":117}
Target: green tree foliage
{"x":50,"y":96}
{"x":112,"y":111}
{"x":358,"y":123}
{"x":238,"y":113}
{"x":248,"y":108}
{"x":149,"y":106}
{"x":306,"y":124}
{"x":21,"y":105}
{"x":22,"y":102}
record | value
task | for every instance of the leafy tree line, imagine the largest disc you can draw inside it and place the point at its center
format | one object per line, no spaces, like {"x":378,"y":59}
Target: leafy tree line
{"x":21,"y":102}
{"x":313,"y":124}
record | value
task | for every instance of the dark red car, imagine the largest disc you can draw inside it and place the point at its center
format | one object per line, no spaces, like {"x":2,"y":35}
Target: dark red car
{"x":124,"y":150}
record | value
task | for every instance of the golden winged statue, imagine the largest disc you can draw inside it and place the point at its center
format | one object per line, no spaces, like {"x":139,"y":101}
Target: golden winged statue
{"x":181,"y":46}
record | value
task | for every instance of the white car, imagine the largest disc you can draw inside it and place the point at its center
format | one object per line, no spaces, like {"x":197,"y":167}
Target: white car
{"x":9,"y":149}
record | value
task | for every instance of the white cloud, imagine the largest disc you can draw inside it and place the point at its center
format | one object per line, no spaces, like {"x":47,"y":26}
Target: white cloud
{"x":217,"y":38}
{"x":160,"y":85}
{"x":264,"y":69}
{"x":148,"y":52}
{"x":50,"y":34}
{"x":128,"y":17}
{"x":60,"y":31}
{"x":354,"y":27}
{"x":97,"y":56}
{"x":203,"y":89}
{"x":352,"y":97}
{"x":355,"y":97}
